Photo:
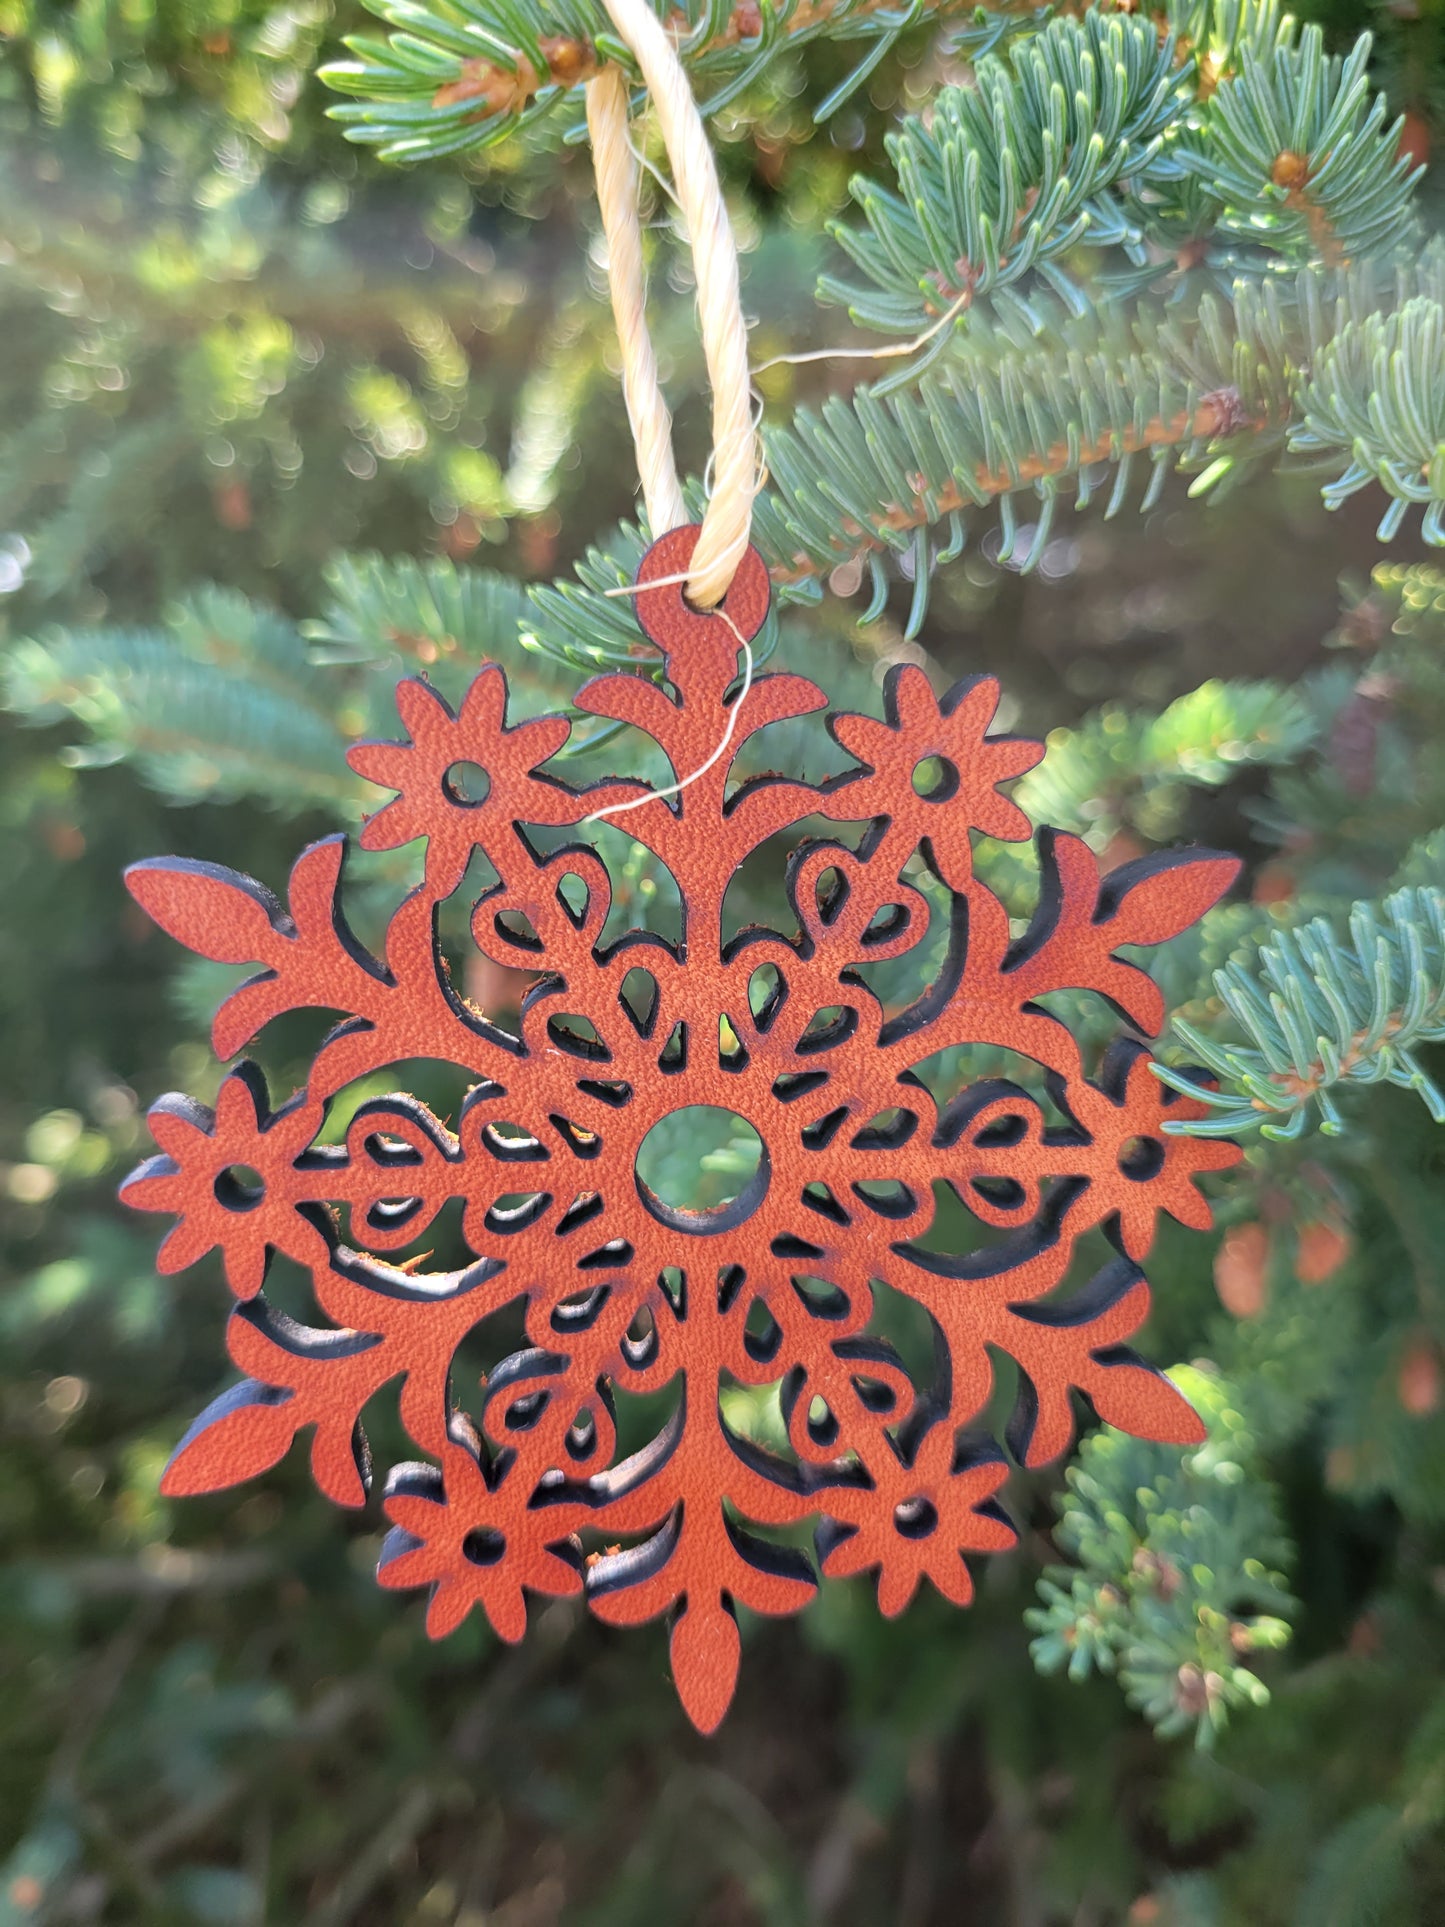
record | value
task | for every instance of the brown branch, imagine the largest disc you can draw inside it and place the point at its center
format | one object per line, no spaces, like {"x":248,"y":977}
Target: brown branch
{"x":1217,"y":414}
{"x":1292,"y":172}
{"x":570,"y":61}
{"x":1301,"y":1088}
{"x":160,"y":1572}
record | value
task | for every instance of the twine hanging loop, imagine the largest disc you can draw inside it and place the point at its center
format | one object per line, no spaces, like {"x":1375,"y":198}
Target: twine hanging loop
{"x":727,"y":519}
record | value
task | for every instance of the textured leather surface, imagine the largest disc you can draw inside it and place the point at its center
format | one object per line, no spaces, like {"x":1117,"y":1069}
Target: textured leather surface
{"x":624,"y":1295}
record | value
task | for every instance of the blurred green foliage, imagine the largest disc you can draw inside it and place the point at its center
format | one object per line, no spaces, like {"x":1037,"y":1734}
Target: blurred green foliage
{"x":380,"y":410}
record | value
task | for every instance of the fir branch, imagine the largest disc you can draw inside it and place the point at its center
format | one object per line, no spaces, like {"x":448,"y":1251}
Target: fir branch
{"x":195,"y":731}
{"x":1407,"y":598}
{"x":1090,"y":133}
{"x":397,"y":614}
{"x":875,"y":474}
{"x":1375,"y":398}
{"x":1123,"y":771}
{"x":459,"y":75}
{"x":1006,"y":175}
{"x":1090,"y":130}
{"x":872,"y":477}
{"x":443,"y":620}
{"x":1298,"y":154}
{"x":1120,"y":765}
{"x":249,"y":640}
{"x":1423,"y":866}
{"x":589,"y":624}
{"x":1360,"y":1872}
{"x":1171,"y":1587}
{"x":429,"y":616}
{"x":1221,"y":390}
{"x":1319,"y":1013}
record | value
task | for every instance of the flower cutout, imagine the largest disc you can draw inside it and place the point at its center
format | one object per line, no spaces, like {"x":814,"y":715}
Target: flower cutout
{"x":932,"y":768}
{"x":443,"y":1536}
{"x":462,"y":776}
{"x":225,"y":1173}
{"x":925,"y":1515}
{"x":1141,"y":1169}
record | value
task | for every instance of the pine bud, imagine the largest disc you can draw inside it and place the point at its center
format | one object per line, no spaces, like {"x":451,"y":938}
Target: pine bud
{"x":1195,"y":1691}
{"x":1366,"y":625}
{"x":1123,"y":847}
{"x":1274,"y":882}
{"x":1162,"y":1575}
{"x":1418,"y":1383}
{"x":1321,"y":1249}
{"x":1365,"y":1639}
{"x":1355,"y":737}
{"x":1241,"y":1270}
{"x":232,"y":503}
{"x":1414,"y":138}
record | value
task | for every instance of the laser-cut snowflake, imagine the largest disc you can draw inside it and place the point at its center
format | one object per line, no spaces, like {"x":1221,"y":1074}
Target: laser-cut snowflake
{"x":625,"y":1293}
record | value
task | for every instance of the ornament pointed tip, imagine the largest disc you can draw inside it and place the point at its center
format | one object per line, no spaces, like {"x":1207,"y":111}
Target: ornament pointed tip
{"x":706,"y":1651}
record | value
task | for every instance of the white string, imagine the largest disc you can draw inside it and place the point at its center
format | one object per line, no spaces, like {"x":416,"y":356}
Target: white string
{"x":892,"y":352}
{"x":649,"y":166}
{"x":675,"y":789}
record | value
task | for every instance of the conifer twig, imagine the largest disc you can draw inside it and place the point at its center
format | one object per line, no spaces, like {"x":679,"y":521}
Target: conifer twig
{"x":1320,"y":1013}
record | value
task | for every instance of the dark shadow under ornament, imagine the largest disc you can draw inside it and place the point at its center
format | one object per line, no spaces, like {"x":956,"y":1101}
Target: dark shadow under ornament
{"x":625,"y":1293}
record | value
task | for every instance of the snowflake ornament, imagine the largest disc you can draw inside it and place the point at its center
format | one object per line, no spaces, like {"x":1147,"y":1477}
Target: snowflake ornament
{"x":626,"y":1295}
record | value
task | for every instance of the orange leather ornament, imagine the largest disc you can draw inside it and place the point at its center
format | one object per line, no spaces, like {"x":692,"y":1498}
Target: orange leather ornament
{"x":625,"y":1296}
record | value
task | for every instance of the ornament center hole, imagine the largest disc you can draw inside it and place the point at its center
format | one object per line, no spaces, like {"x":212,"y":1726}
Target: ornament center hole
{"x":239,"y":1187}
{"x":702,"y":1169}
{"x":915,"y":1518}
{"x":1141,"y":1158}
{"x":466,"y":783}
{"x":935,"y":779}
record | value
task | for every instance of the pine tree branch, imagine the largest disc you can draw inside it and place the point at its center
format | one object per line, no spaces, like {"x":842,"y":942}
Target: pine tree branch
{"x":197,"y":728}
{"x":1083,"y":159}
{"x":590,"y":624}
{"x":1003,"y":177}
{"x":456,"y":76}
{"x":874,"y":474}
{"x":1119,"y":766}
{"x":1375,"y":392}
{"x":459,"y":75}
{"x":1171,"y":1586}
{"x":1304,"y":365}
{"x":1297,"y":152}
{"x":1319,"y":1013}
{"x":1102,"y":131}
{"x":874,"y":477}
